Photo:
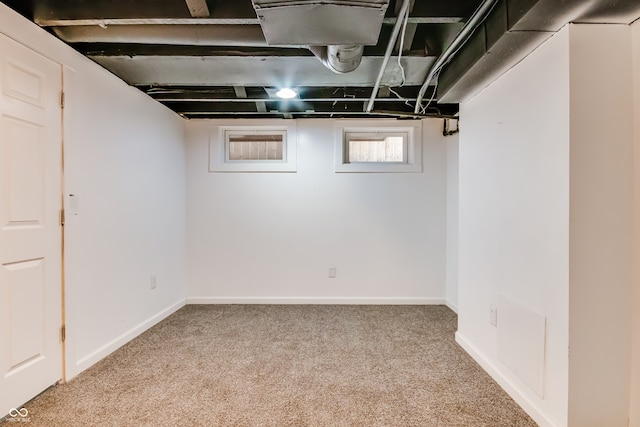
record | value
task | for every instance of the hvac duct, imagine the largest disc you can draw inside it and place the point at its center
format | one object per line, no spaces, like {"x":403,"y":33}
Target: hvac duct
{"x":339,"y":59}
{"x":335,"y":30}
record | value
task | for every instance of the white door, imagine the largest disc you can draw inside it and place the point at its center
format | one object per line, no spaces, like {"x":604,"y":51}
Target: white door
{"x":30,"y":232}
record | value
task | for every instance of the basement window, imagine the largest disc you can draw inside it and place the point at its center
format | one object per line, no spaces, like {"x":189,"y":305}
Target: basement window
{"x":253,"y":149}
{"x":242,"y":146}
{"x":391,"y":148}
{"x":376,"y":147}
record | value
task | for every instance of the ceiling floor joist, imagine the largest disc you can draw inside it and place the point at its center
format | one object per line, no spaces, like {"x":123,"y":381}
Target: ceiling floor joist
{"x":198,"y":8}
{"x":257,"y":71}
{"x":104,"y":22}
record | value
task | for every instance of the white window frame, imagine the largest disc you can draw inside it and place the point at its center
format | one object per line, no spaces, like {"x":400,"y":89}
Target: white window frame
{"x":219,"y":147}
{"x":413,"y":154}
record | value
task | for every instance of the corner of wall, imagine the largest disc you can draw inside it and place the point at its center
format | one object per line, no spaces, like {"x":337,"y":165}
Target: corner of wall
{"x":601,"y":230}
{"x":77,"y":366}
{"x":513,"y":220}
{"x":506,"y":381}
{"x":634,"y":397}
{"x":452,"y":222}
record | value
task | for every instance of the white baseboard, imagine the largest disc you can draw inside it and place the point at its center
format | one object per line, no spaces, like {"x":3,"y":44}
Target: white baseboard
{"x":499,"y":375}
{"x":314,"y":300}
{"x":90,"y":360}
{"x":452,"y":306}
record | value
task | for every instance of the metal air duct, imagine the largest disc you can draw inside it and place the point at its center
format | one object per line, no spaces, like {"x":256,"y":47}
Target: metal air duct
{"x":335,"y":30}
{"x":339,"y":59}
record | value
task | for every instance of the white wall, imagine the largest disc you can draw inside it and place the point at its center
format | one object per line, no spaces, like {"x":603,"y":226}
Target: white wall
{"x":601,"y":219}
{"x":270,"y":237}
{"x":452,"y":223}
{"x":634,"y":398}
{"x":513,"y":216}
{"x":125,"y":160}
{"x":546,"y":219}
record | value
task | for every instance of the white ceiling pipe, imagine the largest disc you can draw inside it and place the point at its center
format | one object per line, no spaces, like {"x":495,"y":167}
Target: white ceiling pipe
{"x":476,"y":19}
{"x":392,"y":41}
{"x":339,"y":59}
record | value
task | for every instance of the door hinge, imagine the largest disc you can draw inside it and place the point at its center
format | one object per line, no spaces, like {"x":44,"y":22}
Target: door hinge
{"x":61,"y":99}
{"x":63,"y":333}
{"x":62,"y":218}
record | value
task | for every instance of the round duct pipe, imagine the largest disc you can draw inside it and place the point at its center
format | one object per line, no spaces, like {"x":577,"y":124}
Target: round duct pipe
{"x":339,"y":58}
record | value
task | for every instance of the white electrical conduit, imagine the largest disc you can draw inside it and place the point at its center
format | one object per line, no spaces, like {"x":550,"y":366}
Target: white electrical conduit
{"x":478,"y":16}
{"x":392,"y":41}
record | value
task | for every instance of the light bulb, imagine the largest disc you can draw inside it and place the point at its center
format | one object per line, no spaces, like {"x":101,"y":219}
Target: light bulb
{"x":286,"y":93}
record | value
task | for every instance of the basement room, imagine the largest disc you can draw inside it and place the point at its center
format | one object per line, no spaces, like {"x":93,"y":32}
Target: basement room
{"x":320,"y":213}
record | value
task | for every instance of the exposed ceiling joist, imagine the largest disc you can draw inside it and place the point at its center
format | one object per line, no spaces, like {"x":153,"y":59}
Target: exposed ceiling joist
{"x":307,"y":93}
{"x":216,"y":62}
{"x":399,"y":6}
{"x":240,"y":91}
{"x":103,"y":22}
{"x":383,"y":92}
{"x":207,"y":58}
{"x":188,"y":35}
{"x":198,"y":8}
{"x":406,"y":37}
{"x":241,"y":96}
{"x":311,"y":113}
{"x":261,"y":106}
{"x":234,"y":100}
{"x":241,"y":71}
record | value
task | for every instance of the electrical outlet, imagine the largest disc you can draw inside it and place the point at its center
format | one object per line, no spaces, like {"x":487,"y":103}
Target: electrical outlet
{"x":332,"y":271}
{"x":154,"y":282}
{"x":493,"y":316}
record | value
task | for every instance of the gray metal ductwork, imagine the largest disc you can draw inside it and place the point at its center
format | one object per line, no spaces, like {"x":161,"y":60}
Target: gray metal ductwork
{"x":339,"y":59}
{"x":336,"y":31}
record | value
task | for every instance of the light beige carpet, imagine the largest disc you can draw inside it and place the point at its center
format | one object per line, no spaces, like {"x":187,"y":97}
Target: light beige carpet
{"x":276,"y":365}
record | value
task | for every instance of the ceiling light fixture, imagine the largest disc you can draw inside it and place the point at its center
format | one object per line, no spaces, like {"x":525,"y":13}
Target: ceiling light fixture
{"x":286,"y":93}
